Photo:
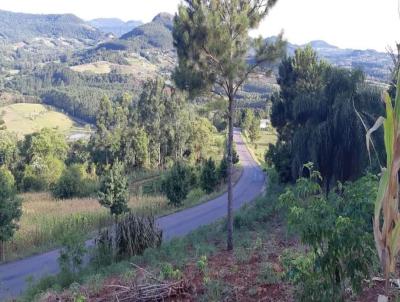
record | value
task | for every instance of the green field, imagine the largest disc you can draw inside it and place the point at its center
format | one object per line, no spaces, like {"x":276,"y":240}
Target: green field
{"x":28,"y":118}
{"x":260,"y":146}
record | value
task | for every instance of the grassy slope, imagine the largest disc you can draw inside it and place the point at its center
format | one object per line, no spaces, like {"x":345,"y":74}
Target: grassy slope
{"x":252,"y":268}
{"x":28,"y":118}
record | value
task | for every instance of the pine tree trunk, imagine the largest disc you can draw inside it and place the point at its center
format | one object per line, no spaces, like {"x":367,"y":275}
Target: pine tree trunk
{"x":230,"y":170}
{"x":2,"y":251}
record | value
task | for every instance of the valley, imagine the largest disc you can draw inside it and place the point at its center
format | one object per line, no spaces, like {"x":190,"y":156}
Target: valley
{"x":183,"y":159}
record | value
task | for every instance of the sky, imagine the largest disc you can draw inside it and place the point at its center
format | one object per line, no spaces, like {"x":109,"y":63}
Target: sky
{"x":358,"y":24}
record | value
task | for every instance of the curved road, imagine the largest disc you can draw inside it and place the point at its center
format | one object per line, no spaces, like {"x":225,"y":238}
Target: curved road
{"x":13,"y":276}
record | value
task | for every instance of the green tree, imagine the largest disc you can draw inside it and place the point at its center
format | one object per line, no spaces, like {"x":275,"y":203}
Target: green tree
{"x":10,"y":208}
{"x":212,"y":42}
{"x":177,"y":183}
{"x":114,"y":191}
{"x":316,"y":116}
{"x":46,"y":142}
{"x":209,"y":176}
{"x":247,"y":119}
{"x":8,"y":149}
{"x":201,"y":138}
{"x":254,"y":130}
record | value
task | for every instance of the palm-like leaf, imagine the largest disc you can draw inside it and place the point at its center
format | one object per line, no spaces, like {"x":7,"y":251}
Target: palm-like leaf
{"x":387,"y":233}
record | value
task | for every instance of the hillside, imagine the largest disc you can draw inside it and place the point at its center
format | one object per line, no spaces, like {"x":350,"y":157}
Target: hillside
{"x":15,"y":27}
{"x":375,"y":64}
{"x":157,"y":33}
{"x":114,"y":25}
{"x":25,"y":119}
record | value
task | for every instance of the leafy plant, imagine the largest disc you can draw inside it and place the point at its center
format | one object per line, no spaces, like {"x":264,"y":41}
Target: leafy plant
{"x":168,"y":272}
{"x":386,"y":214}
{"x":71,"y":257}
{"x":337,"y":228}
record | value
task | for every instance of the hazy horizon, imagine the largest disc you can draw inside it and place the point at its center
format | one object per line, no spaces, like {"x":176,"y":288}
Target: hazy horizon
{"x":357,"y":24}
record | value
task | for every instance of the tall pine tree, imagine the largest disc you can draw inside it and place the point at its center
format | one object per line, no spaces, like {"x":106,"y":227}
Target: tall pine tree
{"x":212,"y":42}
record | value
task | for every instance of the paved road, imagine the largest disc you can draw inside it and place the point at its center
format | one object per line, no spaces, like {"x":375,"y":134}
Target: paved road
{"x":13,"y":275}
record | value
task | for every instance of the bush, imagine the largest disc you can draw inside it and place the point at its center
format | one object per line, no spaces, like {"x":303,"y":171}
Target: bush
{"x":338,"y":230}
{"x":223,"y":170}
{"x":42,"y":173}
{"x":130,"y":236}
{"x":71,"y":258}
{"x":74,"y":182}
{"x":178,"y":182}
{"x":209,"y":176}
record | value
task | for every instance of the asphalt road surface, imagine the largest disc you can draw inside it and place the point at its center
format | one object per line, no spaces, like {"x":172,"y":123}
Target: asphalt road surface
{"x":14,"y":275}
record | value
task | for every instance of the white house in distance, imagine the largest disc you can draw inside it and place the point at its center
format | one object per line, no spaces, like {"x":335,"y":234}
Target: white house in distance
{"x":264,"y":123}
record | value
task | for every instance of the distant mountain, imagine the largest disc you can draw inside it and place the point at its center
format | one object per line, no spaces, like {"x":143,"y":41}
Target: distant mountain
{"x":157,"y":33}
{"x":114,"y":25}
{"x":17,"y":27}
{"x":375,"y":64}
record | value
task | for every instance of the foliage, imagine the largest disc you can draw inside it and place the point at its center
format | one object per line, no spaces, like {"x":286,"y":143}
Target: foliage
{"x":254,"y":130}
{"x":387,"y":224}
{"x":8,"y":149}
{"x":42,"y":173}
{"x":201,"y":138}
{"x":149,"y":132}
{"x":71,"y":257}
{"x":337,"y":228}
{"x":162,"y":113}
{"x":316,"y":117}
{"x":74,"y":182}
{"x":223,"y":169}
{"x":177,"y":183}
{"x":114,"y":191}
{"x":47,"y":142}
{"x":10,"y":206}
{"x":209,"y":176}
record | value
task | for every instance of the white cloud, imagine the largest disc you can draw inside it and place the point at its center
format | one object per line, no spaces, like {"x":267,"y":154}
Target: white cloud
{"x":346,"y":23}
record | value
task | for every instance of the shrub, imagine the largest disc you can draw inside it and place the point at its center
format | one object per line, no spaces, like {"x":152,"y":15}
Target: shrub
{"x":74,"y":182}
{"x":223,"y":170}
{"x":209,"y":176}
{"x":338,"y":230}
{"x":178,"y":182}
{"x":114,"y":191}
{"x":131,"y":235}
{"x":71,"y":258}
{"x":42,"y":173}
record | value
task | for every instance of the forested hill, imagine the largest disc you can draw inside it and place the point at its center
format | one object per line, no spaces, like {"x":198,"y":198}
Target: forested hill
{"x":17,"y":27}
{"x":157,"y":33}
{"x":114,"y":25}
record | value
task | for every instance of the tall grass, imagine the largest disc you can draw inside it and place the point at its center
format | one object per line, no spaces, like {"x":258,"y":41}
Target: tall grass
{"x":45,"y":221}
